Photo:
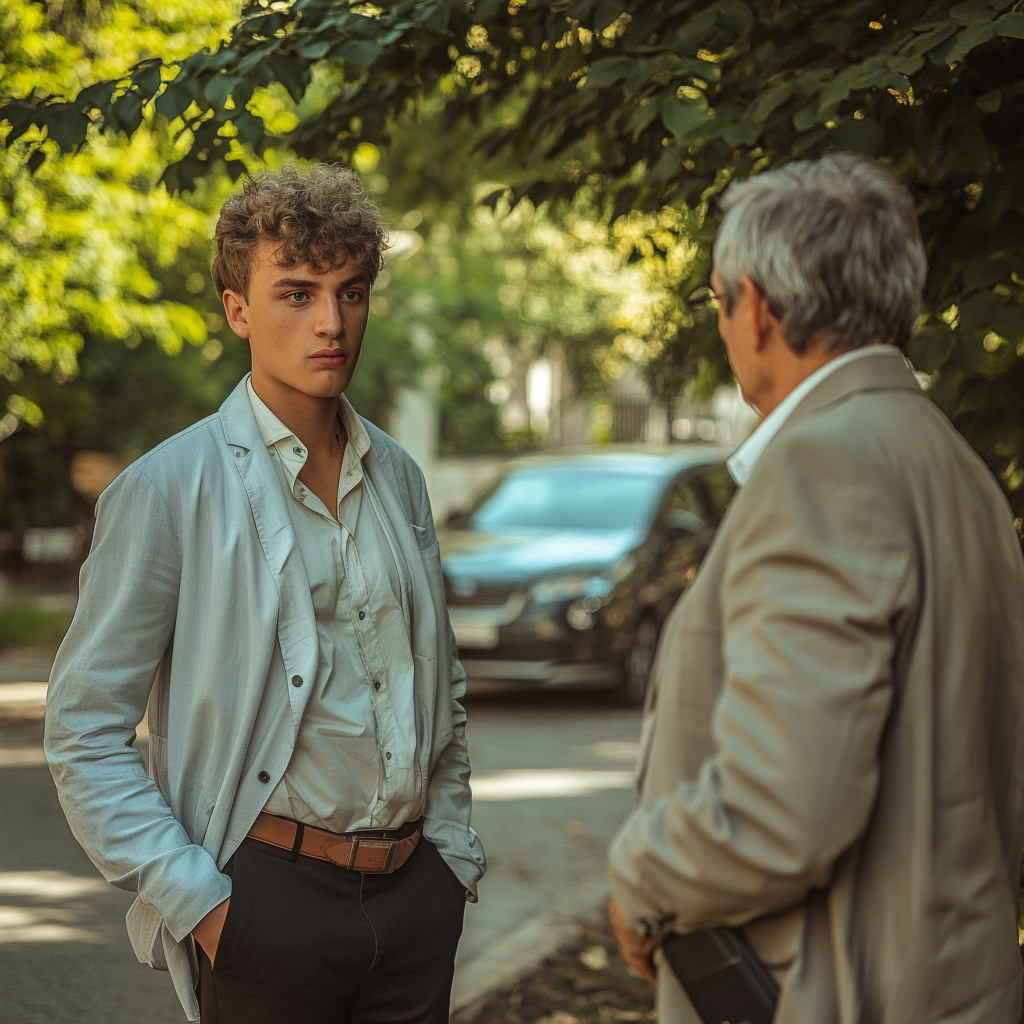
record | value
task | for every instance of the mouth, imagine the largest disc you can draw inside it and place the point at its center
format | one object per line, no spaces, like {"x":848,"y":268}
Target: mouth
{"x":329,"y":357}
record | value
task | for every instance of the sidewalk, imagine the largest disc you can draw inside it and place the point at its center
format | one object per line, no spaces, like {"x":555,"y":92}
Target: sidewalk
{"x":552,"y":780}
{"x":23,"y":676}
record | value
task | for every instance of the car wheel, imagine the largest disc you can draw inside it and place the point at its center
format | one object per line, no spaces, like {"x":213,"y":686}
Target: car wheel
{"x":636,"y":669}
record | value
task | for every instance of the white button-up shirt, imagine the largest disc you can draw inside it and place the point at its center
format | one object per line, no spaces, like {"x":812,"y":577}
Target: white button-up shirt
{"x":741,"y":463}
{"x":353,"y":765}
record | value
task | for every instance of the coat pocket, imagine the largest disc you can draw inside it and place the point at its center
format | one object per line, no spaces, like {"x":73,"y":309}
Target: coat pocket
{"x":425,"y":536}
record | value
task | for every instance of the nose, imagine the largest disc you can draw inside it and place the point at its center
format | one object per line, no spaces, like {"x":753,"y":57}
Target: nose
{"x":329,"y":321}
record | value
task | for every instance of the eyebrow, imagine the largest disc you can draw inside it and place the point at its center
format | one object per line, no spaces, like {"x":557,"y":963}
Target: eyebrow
{"x":295,"y":282}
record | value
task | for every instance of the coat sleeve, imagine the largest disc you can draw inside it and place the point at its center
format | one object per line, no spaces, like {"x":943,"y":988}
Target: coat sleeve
{"x":448,"y":798}
{"x":97,"y":696}
{"x":818,"y":577}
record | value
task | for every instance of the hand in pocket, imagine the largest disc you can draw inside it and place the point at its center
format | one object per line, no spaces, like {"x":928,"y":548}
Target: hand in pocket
{"x":207,"y":933}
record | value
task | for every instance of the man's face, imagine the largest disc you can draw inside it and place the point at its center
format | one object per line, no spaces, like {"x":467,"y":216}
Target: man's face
{"x":305,"y":328}
{"x":738,"y":329}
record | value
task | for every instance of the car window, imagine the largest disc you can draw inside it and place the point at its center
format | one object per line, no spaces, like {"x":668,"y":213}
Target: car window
{"x":553,"y":498}
{"x":684,"y":509}
{"x":719,"y":487}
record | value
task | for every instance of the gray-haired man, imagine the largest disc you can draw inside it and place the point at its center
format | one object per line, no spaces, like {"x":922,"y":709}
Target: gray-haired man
{"x":831,"y":756}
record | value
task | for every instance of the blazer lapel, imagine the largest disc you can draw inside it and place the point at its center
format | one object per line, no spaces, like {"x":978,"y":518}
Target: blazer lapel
{"x":296,"y":623}
{"x":390,"y":492}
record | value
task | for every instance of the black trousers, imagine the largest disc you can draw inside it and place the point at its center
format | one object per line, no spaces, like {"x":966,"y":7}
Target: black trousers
{"x":307,"y":942}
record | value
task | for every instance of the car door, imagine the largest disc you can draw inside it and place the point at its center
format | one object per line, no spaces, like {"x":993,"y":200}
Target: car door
{"x":680,"y":535}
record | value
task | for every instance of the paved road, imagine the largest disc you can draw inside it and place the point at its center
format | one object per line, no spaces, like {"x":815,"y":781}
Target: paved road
{"x":551,"y":783}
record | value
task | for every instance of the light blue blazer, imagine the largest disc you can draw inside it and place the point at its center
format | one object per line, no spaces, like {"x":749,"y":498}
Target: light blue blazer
{"x":194,"y":601}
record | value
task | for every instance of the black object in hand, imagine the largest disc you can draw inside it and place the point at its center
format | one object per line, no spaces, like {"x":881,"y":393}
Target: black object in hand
{"x":723,"y":976}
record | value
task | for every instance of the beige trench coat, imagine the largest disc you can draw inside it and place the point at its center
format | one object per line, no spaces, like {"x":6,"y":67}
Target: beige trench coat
{"x":833,"y":745}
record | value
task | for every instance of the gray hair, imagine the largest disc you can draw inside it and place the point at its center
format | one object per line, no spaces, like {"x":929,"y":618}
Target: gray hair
{"x":834,"y":246}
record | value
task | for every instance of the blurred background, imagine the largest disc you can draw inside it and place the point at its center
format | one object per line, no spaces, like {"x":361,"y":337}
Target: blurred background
{"x":493,"y":331}
{"x":540,"y":340}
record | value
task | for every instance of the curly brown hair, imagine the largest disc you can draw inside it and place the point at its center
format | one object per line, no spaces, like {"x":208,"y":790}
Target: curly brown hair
{"x":321,"y":217}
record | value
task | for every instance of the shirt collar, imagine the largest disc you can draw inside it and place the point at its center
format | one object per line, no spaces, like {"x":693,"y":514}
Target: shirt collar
{"x":741,"y":463}
{"x":292,"y":452}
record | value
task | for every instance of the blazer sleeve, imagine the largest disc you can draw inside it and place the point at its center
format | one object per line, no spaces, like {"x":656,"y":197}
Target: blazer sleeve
{"x":819,"y":573}
{"x":97,"y":696}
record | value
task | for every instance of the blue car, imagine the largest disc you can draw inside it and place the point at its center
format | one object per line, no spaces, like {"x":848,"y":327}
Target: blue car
{"x":562,"y":573}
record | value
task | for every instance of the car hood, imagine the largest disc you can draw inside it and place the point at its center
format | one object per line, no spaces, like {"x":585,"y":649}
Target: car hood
{"x":519,"y":555}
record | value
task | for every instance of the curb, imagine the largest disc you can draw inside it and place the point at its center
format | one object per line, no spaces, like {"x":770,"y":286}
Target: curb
{"x":22,"y":702}
{"x":523,"y":948}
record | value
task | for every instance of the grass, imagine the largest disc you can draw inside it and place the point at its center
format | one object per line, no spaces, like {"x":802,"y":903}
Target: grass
{"x":586,"y":982}
{"x":24,"y":624}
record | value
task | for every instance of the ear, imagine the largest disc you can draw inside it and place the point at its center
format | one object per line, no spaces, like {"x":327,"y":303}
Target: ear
{"x":763,"y":321}
{"x":236,"y":309}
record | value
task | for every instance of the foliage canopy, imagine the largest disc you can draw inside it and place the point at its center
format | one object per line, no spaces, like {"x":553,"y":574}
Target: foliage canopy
{"x":654,"y":103}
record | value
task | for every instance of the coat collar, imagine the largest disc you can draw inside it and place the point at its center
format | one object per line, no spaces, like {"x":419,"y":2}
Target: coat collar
{"x":882,"y":374}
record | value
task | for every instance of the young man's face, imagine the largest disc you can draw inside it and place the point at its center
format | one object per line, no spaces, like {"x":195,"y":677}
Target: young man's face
{"x":305,"y":328}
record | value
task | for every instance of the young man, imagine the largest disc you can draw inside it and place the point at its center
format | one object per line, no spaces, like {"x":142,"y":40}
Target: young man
{"x":268,"y":583}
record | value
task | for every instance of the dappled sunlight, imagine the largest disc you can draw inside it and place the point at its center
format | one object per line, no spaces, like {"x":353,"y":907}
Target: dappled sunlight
{"x":45,"y":915}
{"x":538,"y":783}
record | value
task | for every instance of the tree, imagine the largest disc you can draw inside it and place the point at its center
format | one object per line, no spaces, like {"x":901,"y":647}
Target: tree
{"x":112,"y":336}
{"x":653,"y":103}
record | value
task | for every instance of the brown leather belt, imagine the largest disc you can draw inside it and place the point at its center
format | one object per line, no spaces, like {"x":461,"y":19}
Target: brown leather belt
{"x":353,"y":851}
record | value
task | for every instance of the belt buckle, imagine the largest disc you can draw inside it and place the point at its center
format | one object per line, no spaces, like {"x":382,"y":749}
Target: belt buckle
{"x":353,"y":849}
{"x":389,"y":860}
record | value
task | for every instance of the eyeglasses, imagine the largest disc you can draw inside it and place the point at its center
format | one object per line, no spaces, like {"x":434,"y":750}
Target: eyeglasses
{"x":704,"y":301}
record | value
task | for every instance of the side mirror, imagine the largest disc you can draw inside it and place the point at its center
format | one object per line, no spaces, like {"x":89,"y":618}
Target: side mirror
{"x":457,"y":519}
{"x":682,"y":523}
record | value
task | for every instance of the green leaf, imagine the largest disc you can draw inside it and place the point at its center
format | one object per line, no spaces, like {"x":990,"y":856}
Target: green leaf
{"x":858,"y":136}
{"x":126,"y":113}
{"x":66,"y":125}
{"x":293,"y":74}
{"x":681,"y":115}
{"x":1011,"y":25}
{"x":1009,"y":322}
{"x":806,"y":118}
{"x":990,"y":102}
{"x":611,"y":70}
{"x":96,"y":97}
{"x":311,"y":48}
{"x":433,"y":16}
{"x":255,"y":57}
{"x":968,"y":40}
{"x":971,"y":11}
{"x":930,"y":347}
{"x":21,"y":117}
{"x":608,"y":11}
{"x":977,"y":311}
{"x":923,"y":43}
{"x":147,"y":80}
{"x":219,"y":88}
{"x":359,"y":54}
{"x":642,"y":116}
{"x":174,"y":101}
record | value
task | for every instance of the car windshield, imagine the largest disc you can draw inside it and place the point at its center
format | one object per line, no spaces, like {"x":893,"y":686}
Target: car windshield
{"x":556,"y":498}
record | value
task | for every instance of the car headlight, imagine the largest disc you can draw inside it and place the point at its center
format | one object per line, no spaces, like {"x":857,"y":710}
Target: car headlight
{"x":592,"y":587}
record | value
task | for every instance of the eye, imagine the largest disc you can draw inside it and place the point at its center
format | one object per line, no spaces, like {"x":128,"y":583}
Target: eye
{"x":353,"y":296}
{"x":297,"y":296}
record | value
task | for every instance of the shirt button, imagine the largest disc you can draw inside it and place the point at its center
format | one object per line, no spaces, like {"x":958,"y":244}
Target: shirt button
{"x":362,"y":615}
{"x":296,"y":680}
{"x":298,"y":451}
{"x":388,"y":755}
{"x":238,"y":455}
{"x":265,"y":776}
{"x":376,"y":685}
